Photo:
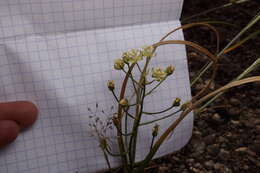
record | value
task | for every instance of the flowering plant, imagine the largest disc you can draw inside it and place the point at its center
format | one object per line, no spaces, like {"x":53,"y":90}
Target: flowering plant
{"x":130,"y":60}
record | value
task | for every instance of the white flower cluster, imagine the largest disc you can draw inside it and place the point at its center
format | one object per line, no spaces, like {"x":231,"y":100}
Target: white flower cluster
{"x":158,"y":74}
{"x":133,"y":56}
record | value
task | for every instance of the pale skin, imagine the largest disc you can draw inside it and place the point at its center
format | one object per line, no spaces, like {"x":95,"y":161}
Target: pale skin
{"x":14,"y":118}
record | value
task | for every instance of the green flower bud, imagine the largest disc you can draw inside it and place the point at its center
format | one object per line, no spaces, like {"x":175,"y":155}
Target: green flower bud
{"x":155,"y":130}
{"x":123,"y":102}
{"x":103,"y":143}
{"x":111,"y":85}
{"x":177,"y":102}
{"x":169,"y":70}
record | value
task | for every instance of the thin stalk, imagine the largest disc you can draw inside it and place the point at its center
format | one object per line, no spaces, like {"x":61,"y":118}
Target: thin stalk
{"x":139,"y":68}
{"x":140,"y":93}
{"x":107,"y":160}
{"x":191,"y":107}
{"x":150,"y":122}
{"x":115,"y":96}
{"x":251,"y":36}
{"x":120,"y":140}
{"x":213,"y":9}
{"x":126,"y":130}
{"x":133,"y":80}
{"x":242,"y":75}
{"x":151,"y":146}
{"x":149,"y":92}
{"x":113,"y":154}
{"x":249,"y":25}
{"x":137,"y":124}
{"x":159,"y":112}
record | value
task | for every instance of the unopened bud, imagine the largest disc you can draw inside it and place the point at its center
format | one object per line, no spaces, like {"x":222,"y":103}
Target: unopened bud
{"x":123,"y":102}
{"x":119,"y":64}
{"x":111,"y":85}
{"x":155,"y":130}
{"x":169,"y":70}
{"x":177,"y":102}
{"x":115,"y":120}
{"x":103,"y":143}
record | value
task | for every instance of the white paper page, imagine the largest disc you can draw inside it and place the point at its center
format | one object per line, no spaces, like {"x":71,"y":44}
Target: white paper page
{"x":25,"y":17}
{"x":65,"y":72}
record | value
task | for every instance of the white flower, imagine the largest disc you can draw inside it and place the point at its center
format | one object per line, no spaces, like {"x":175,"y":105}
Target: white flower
{"x":132,"y":56}
{"x":158,"y":74}
{"x":148,"y":51}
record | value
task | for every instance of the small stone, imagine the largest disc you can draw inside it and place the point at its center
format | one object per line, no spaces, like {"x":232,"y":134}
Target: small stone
{"x":257,"y":129}
{"x":221,"y":139}
{"x":235,"y":122}
{"x":210,"y":139}
{"x":175,"y":158}
{"x":216,"y":117}
{"x":235,"y":101}
{"x":209,"y":164}
{"x":241,"y":149}
{"x":255,"y":146}
{"x":219,"y":166}
{"x":233,"y":111}
{"x":190,"y":160}
{"x":199,"y":146}
{"x":213,"y":149}
{"x":245,"y":167}
{"x":197,"y":165}
{"x":194,"y":170}
{"x":223,"y":154}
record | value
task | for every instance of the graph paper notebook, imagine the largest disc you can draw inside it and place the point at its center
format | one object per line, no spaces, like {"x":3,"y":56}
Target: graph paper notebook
{"x":59,"y":54}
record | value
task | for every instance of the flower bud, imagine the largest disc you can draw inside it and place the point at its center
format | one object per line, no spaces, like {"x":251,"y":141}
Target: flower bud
{"x":119,"y":64}
{"x":115,"y":120}
{"x":126,"y":58}
{"x":177,"y":102}
{"x":123,"y":102}
{"x":148,"y":51}
{"x":155,"y":130}
{"x":103,"y":143}
{"x":169,"y":70}
{"x":111,"y":85}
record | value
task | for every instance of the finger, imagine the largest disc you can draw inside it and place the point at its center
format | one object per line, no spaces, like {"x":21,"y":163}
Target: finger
{"x":9,"y":130}
{"x":23,"y":112}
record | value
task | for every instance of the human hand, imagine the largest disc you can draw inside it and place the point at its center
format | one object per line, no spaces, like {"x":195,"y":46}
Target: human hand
{"x":14,"y":117}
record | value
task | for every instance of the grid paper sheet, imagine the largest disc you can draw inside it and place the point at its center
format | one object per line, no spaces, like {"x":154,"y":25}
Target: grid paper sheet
{"x":59,"y":54}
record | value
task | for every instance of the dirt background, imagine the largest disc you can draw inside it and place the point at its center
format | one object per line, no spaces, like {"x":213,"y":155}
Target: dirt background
{"x":226,"y":136}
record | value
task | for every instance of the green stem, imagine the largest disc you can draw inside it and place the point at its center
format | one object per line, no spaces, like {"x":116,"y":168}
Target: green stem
{"x":213,"y":9}
{"x":249,"y":25}
{"x":133,"y":80}
{"x":159,"y":112}
{"x":114,"y":155}
{"x":140,"y":93}
{"x":151,"y":146}
{"x":107,"y":160}
{"x":126,"y":130}
{"x":137,"y":124}
{"x":150,"y":122}
{"x":242,"y":75}
{"x":149,"y":92}
{"x":115,"y":96}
